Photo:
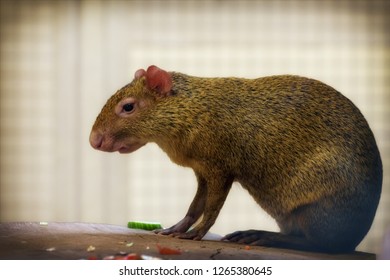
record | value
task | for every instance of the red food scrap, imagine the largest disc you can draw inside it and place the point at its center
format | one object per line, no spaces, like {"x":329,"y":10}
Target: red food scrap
{"x":132,"y":256}
{"x":168,"y":251}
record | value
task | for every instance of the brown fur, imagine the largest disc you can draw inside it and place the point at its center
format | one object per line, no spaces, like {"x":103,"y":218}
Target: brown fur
{"x":302,"y":150}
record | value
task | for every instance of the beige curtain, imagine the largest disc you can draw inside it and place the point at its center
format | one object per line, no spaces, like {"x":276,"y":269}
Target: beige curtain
{"x":61,"y":60}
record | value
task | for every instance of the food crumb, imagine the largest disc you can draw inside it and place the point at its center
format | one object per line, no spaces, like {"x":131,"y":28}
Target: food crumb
{"x":91,"y":248}
{"x":129,"y":244}
{"x":247,"y":247}
{"x":51,"y":249}
{"x":43,"y":223}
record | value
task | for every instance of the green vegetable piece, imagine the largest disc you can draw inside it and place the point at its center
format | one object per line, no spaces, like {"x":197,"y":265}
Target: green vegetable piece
{"x":144,"y":225}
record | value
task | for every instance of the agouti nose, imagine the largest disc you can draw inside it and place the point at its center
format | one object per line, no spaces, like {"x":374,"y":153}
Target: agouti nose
{"x":96,"y":140}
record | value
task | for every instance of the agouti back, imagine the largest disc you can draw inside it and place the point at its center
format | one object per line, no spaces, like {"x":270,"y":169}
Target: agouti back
{"x":301,"y":149}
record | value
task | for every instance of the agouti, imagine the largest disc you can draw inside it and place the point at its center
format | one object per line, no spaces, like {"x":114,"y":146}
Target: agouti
{"x":301,"y":149}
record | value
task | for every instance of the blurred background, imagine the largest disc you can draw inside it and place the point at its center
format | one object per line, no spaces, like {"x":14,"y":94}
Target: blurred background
{"x":61,"y":60}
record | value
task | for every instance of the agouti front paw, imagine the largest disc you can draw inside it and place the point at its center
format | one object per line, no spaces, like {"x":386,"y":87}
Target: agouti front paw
{"x":182,"y":235}
{"x":180,"y":227}
{"x":166,"y":231}
{"x":192,"y":234}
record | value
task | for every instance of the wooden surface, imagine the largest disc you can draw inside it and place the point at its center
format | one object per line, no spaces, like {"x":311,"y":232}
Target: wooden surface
{"x":72,"y":241}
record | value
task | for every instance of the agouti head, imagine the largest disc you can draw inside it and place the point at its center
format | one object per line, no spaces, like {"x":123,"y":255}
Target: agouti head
{"x":123,"y":126}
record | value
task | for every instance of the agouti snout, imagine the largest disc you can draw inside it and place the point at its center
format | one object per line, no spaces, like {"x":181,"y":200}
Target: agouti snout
{"x":301,"y":149}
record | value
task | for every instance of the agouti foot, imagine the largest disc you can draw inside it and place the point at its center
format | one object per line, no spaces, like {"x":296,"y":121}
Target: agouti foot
{"x":253,"y":237}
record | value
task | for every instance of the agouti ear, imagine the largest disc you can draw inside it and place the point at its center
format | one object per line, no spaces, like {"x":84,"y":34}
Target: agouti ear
{"x":139,"y":73}
{"x":156,"y":79}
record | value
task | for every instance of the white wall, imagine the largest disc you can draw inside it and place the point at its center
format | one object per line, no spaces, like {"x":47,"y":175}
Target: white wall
{"x":61,"y":60}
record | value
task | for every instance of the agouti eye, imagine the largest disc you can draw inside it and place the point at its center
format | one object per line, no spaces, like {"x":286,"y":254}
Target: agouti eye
{"x":128,"y":107}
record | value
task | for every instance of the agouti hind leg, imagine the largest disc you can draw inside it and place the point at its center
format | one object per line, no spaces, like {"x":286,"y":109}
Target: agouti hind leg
{"x":323,"y":226}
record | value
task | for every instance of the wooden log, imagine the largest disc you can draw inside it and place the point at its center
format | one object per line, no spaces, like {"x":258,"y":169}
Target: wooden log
{"x":69,"y":241}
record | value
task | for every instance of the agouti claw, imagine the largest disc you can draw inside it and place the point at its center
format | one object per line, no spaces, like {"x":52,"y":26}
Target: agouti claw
{"x":166,"y":231}
{"x":188,"y":235}
{"x":159,"y":231}
{"x":180,"y":227}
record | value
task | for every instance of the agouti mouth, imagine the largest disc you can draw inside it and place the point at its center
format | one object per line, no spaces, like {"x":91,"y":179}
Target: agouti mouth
{"x":130,"y":149}
{"x":123,"y":150}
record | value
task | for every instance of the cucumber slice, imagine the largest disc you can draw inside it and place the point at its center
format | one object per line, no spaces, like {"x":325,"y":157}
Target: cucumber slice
{"x":144,"y":225}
